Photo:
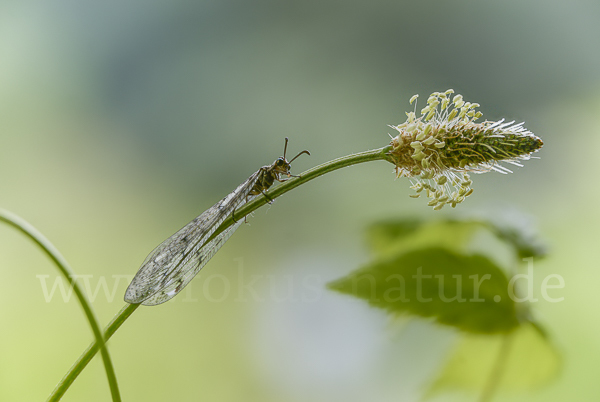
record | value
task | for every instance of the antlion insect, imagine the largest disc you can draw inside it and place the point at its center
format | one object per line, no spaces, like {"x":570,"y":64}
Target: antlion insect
{"x":177,"y":260}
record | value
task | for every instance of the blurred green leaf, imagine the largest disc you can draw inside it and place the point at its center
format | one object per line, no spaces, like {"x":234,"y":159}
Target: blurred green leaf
{"x":389,"y":237}
{"x":382,"y":235}
{"x":525,"y":243}
{"x":521,"y":360}
{"x":468,"y":292}
{"x":392,"y":238}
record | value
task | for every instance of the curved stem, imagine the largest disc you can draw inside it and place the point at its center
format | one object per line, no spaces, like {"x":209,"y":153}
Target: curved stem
{"x":89,"y":353}
{"x":496,"y":374}
{"x":367,"y":156}
{"x":310,"y":174}
{"x":67,"y":272}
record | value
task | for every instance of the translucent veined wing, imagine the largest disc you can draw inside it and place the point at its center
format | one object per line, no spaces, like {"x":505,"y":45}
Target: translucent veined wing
{"x":171,"y":265}
{"x":192,"y":267}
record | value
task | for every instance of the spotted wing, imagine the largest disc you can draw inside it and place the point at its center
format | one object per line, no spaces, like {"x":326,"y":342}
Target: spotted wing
{"x":171,"y":265}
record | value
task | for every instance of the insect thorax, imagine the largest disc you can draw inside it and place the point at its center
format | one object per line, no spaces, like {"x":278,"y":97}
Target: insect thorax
{"x":266,"y":178}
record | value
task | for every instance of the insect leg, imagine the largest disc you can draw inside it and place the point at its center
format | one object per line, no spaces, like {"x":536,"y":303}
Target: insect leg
{"x":269,"y":199}
{"x":233,"y":217}
{"x":235,"y":220}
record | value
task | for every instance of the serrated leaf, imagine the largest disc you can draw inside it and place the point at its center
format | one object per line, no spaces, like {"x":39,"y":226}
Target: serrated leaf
{"x":468,"y":292}
{"x":521,"y":360}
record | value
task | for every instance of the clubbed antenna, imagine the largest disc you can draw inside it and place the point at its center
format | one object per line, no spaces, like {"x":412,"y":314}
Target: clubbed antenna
{"x":303,"y":152}
{"x":294,"y":158}
{"x":285,"y":147}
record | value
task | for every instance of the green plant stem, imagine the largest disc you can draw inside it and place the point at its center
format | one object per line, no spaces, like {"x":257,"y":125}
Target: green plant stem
{"x":51,"y":251}
{"x":497,"y":370}
{"x":367,"y":156}
{"x":89,"y":353}
{"x":361,"y":157}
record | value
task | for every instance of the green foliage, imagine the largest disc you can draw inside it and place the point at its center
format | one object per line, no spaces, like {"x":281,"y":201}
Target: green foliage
{"x":528,"y":360}
{"x":442,"y":269}
{"x":524,"y":243}
{"x":454,"y":288}
{"x":457,"y":273}
{"x":396,"y":237}
{"x":391,"y":236}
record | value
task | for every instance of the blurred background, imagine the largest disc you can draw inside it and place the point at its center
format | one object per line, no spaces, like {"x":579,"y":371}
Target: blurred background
{"x":120,"y":121}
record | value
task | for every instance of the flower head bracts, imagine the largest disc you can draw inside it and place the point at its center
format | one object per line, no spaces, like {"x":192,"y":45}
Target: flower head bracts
{"x":440,"y":148}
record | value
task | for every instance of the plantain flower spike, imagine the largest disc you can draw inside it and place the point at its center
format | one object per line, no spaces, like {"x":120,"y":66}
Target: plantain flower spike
{"x":440,"y":148}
